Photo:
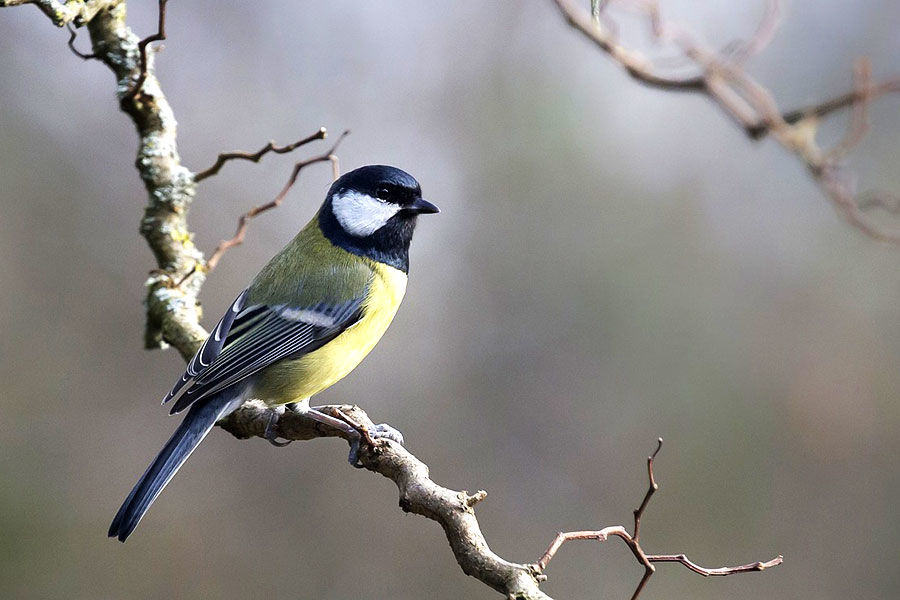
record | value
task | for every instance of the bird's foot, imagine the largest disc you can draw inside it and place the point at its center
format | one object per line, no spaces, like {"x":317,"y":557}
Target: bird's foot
{"x":386,"y":432}
{"x":270,"y":434}
{"x":357,"y":431}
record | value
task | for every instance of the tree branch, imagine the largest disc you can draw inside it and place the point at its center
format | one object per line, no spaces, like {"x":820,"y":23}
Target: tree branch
{"x":238,"y":237}
{"x":61,"y":13}
{"x":419,"y":494}
{"x":172,"y":313}
{"x":257,"y":156}
{"x":453,"y":510}
{"x":746,"y":101}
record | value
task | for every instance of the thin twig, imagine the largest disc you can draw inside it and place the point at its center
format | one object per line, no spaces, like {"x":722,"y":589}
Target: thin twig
{"x":132,"y":93}
{"x":639,"y":511}
{"x":718,"y":572}
{"x":632,"y":540}
{"x":224,"y":157}
{"x":72,"y":35}
{"x":238,"y":237}
{"x":823,"y":109}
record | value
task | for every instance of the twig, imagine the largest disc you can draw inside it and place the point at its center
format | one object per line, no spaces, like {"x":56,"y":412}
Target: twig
{"x":224,"y":157}
{"x":632,"y":540}
{"x":72,"y":35}
{"x":132,"y":93}
{"x":823,"y":109}
{"x":639,"y":511}
{"x":750,"y":104}
{"x":238,"y":237}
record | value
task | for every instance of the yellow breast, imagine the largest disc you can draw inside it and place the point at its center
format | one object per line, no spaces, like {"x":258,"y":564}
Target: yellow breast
{"x":297,"y":380}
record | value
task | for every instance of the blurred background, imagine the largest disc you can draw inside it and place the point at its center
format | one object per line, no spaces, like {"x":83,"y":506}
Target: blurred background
{"x":612,"y":264}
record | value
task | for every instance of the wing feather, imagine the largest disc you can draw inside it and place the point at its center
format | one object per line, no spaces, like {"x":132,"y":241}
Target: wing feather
{"x":250,"y":338}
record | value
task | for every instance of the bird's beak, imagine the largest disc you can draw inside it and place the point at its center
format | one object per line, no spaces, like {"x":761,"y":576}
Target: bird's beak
{"x":421,"y":206}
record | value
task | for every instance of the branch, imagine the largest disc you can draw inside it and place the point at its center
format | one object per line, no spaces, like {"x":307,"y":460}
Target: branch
{"x":454,"y":510}
{"x":747,"y":102}
{"x":633,"y":542}
{"x":61,"y":13}
{"x":172,"y":313}
{"x":130,"y":96}
{"x":257,"y":156}
{"x":238,"y":237}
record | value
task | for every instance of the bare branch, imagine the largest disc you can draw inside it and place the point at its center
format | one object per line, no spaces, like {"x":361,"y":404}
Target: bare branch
{"x":742,"y":98}
{"x":419,"y":494}
{"x":224,"y":157}
{"x":632,"y":540}
{"x":61,"y":13}
{"x":454,"y":509}
{"x":719,"y":572}
{"x":238,"y":237}
{"x":172,"y":312}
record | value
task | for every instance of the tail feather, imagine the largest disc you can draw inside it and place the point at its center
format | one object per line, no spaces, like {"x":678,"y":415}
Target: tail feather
{"x":196,"y":424}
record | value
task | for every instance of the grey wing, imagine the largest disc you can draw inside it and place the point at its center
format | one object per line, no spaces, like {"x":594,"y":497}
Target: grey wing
{"x":256,"y":336}
{"x":213,"y":344}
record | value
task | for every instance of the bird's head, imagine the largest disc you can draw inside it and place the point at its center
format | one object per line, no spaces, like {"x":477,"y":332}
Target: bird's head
{"x":372,"y":211}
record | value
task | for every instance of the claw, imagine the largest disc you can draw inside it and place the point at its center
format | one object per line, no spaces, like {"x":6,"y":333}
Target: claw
{"x":270,"y":434}
{"x":353,"y":457}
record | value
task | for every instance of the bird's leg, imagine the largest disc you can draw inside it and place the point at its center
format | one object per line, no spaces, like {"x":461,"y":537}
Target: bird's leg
{"x":356,"y":430}
{"x":339,"y":424}
{"x":270,"y":433}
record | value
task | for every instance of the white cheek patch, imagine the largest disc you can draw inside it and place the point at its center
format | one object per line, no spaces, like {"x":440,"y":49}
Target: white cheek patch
{"x":360,"y":214}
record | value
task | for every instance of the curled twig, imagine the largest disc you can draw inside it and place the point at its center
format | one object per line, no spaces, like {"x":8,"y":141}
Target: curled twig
{"x":132,"y":93}
{"x":238,"y":237}
{"x":224,"y":157}
{"x":71,"y":43}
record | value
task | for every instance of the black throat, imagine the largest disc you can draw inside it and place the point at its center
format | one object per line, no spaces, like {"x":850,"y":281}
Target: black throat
{"x":388,"y":245}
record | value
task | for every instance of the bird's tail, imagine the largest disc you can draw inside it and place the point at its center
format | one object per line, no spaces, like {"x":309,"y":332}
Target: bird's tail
{"x":196,"y":424}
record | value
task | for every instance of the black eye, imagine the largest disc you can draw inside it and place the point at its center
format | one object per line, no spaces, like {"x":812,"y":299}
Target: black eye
{"x":382,"y":193}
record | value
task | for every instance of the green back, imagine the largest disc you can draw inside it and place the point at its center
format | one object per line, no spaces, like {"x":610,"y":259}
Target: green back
{"x":311,"y":270}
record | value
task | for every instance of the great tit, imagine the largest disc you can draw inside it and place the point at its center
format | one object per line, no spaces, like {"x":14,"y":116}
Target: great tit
{"x":307,"y":319}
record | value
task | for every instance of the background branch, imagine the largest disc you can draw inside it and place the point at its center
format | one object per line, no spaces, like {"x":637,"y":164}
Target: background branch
{"x":238,"y":237}
{"x":257,"y":156}
{"x":741,"y":97}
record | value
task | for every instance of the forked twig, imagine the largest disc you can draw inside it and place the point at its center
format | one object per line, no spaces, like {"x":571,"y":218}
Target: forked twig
{"x":238,"y":237}
{"x":160,"y":35}
{"x":632,"y":540}
{"x":224,"y":157}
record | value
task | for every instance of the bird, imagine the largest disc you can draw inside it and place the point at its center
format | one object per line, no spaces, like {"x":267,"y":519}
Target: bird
{"x":310,"y":316}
